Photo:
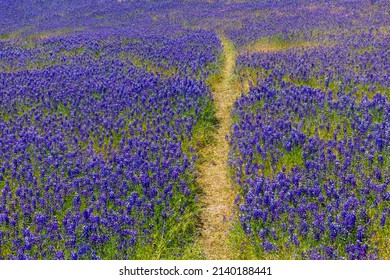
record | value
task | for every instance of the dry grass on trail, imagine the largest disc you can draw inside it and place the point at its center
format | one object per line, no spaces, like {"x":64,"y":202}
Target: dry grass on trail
{"x":218,"y":195}
{"x":217,"y":215}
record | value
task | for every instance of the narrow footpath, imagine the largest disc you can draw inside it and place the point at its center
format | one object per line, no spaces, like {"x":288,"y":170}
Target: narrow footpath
{"x":218,"y":195}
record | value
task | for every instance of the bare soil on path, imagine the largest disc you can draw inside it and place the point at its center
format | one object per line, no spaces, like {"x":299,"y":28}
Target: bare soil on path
{"x":218,"y":194}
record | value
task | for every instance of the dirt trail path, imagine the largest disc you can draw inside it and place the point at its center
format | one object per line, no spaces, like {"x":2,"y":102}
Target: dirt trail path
{"x":218,"y":194}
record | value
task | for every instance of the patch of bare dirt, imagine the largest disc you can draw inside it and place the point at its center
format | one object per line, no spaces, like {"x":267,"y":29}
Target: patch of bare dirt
{"x":218,"y":196}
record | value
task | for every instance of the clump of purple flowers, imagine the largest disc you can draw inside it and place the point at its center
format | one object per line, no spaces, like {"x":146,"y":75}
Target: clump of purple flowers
{"x":313,"y":170}
{"x":95,"y":136}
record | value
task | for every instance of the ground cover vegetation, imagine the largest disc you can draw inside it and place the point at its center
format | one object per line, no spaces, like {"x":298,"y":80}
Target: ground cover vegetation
{"x":106,"y":107}
{"x":310,"y":139}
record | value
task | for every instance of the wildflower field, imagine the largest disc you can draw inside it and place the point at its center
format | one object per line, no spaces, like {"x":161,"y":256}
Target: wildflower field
{"x":195,"y":129}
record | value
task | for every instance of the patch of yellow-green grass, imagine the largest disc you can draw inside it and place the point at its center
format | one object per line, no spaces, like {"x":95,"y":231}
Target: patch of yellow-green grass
{"x":248,"y":247}
{"x":72,"y":52}
{"x":384,"y":29}
{"x":248,"y":76}
{"x":380,"y":237}
{"x":202,"y":131}
{"x":324,"y":133}
{"x":148,"y":65}
{"x":358,"y":90}
{"x":52,"y":32}
{"x":242,"y":247}
{"x":18,"y":33}
{"x":276,"y":43}
{"x":168,"y":243}
{"x":287,"y":160}
{"x":213,"y":79}
{"x":98,"y":16}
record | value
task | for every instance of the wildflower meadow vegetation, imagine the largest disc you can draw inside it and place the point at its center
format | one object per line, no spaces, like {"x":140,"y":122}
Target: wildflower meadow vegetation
{"x":106,"y":108}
